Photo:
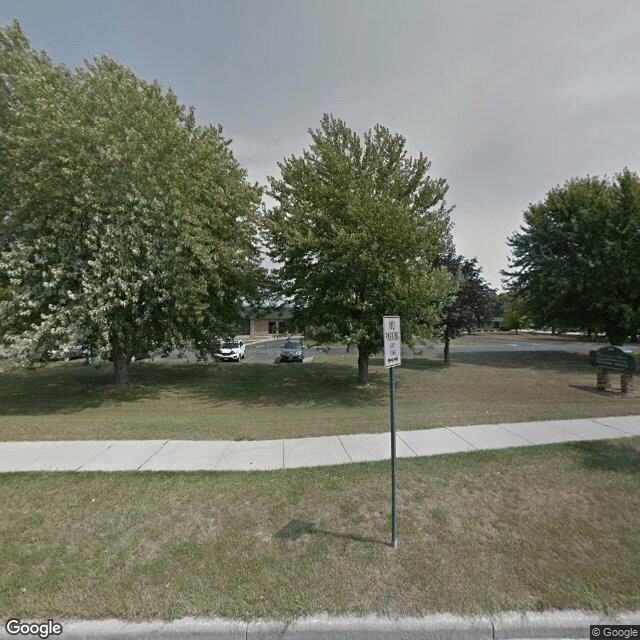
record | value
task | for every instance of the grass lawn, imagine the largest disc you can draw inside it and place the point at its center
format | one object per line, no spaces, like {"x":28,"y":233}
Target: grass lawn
{"x":71,"y":401}
{"x":552,"y":527}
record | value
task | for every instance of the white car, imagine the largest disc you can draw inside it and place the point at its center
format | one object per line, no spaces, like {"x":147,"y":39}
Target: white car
{"x":231,"y":350}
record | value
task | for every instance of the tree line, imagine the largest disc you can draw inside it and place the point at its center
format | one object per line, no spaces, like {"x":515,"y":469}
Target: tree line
{"x":127,"y":227}
{"x":576,"y":259}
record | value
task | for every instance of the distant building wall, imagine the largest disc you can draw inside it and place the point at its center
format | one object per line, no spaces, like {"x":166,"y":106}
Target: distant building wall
{"x":270,"y":325}
{"x":259,"y":326}
{"x":494,"y":323}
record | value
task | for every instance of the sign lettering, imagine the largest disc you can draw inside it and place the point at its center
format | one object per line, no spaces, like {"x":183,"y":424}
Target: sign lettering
{"x":392,"y":341}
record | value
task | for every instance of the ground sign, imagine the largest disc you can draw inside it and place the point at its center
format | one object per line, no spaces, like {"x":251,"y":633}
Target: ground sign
{"x":616,"y":359}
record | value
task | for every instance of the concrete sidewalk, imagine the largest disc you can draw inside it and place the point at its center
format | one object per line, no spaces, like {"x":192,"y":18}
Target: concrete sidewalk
{"x":192,"y":455}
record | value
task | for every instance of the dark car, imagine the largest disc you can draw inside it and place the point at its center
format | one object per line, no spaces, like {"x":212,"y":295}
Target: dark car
{"x":292,"y":351}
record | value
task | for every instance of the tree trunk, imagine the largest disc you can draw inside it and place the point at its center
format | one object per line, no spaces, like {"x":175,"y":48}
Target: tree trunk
{"x":120,"y":363}
{"x":446,"y":350}
{"x":363,"y":366}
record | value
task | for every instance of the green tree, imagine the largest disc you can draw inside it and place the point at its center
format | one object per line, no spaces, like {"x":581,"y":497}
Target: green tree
{"x":470,"y":305}
{"x":497,"y":302}
{"x":355,"y":232}
{"x":127,"y":227}
{"x":576,"y":257}
{"x":514,"y":314}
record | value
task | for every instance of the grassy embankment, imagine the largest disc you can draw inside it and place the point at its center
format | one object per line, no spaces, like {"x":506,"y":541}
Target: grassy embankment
{"x":538,"y":528}
{"x":69,"y":401}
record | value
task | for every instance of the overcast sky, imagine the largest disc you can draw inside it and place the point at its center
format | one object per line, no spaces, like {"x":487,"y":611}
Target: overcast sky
{"x":506,"y":98}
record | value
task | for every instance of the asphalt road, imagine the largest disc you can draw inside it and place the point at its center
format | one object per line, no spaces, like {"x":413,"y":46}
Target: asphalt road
{"x":268,"y":351}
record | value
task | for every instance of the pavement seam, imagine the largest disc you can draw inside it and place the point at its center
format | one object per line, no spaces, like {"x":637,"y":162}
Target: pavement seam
{"x":164,"y":444}
{"x":345,"y":449}
{"x":595,"y":421}
{"x":608,"y":426}
{"x":518,"y":435}
{"x":577,"y":437}
{"x":86,"y":462}
{"x":604,"y":424}
{"x":407,"y":444}
{"x":473,"y":446}
{"x":228,"y":444}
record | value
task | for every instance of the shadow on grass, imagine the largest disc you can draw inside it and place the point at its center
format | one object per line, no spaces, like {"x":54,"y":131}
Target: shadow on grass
{"x":551,"y":360}
{"x":295,"y":529}
{"x":73,"y":386}
{"x":605,"y":393}
{"x":608,"y":456}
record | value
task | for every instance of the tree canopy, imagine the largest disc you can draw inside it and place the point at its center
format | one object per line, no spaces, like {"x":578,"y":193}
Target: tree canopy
{"x":356,"y":228}
{"x":575,"y":260}
{"x":471,"y":303}
{"x":514,"y":313}
{"x":124,"y":225}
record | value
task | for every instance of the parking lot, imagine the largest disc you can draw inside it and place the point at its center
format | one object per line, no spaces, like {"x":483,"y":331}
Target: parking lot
{"x":268,"y":350}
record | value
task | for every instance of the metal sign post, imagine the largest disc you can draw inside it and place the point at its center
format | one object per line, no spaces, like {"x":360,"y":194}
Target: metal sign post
{"x":392,"y":359}
{"x":394,"y":470}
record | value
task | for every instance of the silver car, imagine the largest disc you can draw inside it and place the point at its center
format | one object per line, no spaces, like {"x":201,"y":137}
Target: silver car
{"x":292,"y":351}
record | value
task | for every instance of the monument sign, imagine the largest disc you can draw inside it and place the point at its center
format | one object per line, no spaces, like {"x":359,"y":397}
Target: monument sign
{"x":618,"y":359}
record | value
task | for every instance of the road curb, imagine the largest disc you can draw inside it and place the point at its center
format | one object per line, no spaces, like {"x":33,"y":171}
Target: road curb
{"x":554,"y":624}
{"x":565,"y":625}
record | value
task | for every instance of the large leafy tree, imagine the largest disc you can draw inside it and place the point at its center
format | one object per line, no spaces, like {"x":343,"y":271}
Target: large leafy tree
{"x":124,"y":225}
{"x":357,"y":226}
{"x":575,"y":259}
{"x":471,"y":304}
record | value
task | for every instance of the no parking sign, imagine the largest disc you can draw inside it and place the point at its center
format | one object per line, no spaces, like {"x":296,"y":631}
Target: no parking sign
{"x":392,"y":342}
{"x":392,"y":359}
